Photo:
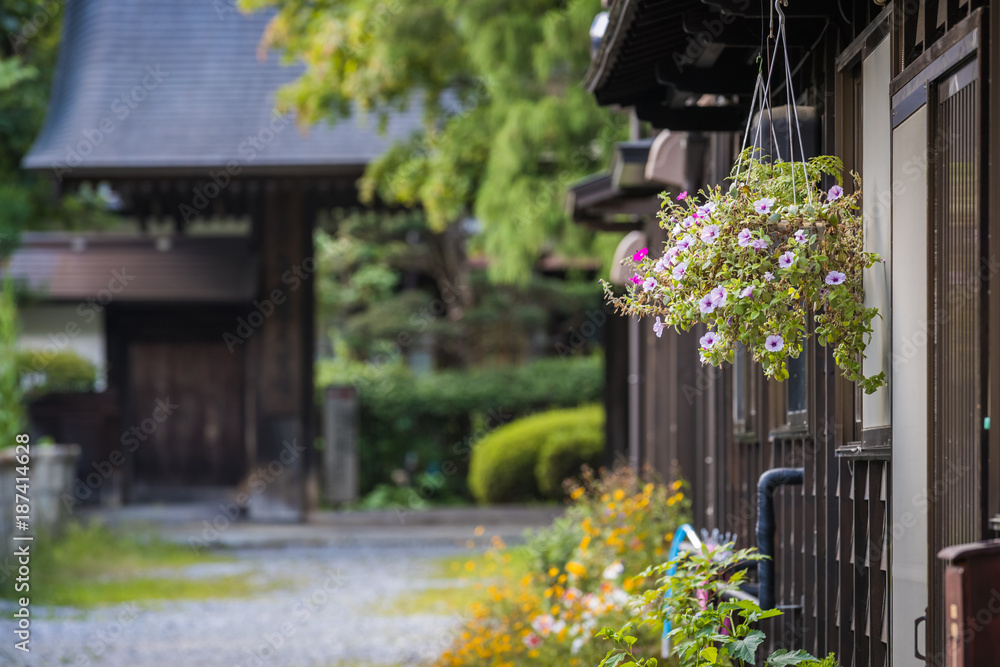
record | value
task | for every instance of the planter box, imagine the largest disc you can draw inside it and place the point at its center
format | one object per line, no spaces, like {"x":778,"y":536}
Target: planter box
{"x":50,"y":474}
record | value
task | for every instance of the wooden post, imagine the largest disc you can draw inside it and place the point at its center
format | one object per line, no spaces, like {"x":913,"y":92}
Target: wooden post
{"x":972,"y":604}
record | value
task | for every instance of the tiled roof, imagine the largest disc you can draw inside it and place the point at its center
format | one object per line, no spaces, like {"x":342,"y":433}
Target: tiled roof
{"x":174,"y":87}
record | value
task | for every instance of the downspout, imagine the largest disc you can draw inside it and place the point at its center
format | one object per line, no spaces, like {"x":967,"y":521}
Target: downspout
{"x":766,"y":486}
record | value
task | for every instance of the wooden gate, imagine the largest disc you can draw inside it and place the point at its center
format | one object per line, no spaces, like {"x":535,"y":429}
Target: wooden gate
{"x":186,"y":409}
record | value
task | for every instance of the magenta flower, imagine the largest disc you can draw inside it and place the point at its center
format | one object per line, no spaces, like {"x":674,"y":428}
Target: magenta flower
{"x":836,"y":192}
{"x":640,"y":255}
{"x":774,"y":343}
{"x":682,"y":196}
{"x":709,"y":340}
{"x":718,"y":296}
{"x":710,"y":233}
{"x":680,"y":270}
{"x":637,"y":279}
{"x":747,"y":292}
{"x":699,"y":215}
{"x":768,"y":276}
{"x":763,"y":205}
{"x":835,"y":278}
{"x":743,"y":238}
{"x":648,"y":284}
{"x":787,"y":259}
{"x":658,"y":327}
{"x":706,"y":305}
{"x":800,"y":236}
{"x":759,"y":244}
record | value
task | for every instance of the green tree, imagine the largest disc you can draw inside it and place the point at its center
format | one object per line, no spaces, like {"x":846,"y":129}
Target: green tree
{"x":507,"y":125}
{"x":27,"y":63}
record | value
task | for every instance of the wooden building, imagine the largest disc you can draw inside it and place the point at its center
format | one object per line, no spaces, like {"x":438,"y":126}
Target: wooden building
{"x":903,"y":92}
{"x":170,"y":107}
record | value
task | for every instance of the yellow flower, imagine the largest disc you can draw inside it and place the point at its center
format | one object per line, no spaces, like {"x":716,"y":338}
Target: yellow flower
{"x":470,"y":565}
{"x":479,"y":530}
{"x":678,"y":484}
{"x":605,"y":498}
{"x":553,"y":571}
{"x":576,"y":568}
{"x":619,"y":494}
{"x":577,"y":492}
{"x":585,"y":542}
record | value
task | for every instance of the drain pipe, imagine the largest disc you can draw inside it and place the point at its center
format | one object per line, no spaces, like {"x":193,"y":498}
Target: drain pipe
{"x":766,"y":486}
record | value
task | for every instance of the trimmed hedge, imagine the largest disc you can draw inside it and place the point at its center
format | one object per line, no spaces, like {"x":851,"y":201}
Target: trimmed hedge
{"x":55,"y":371}
{"x":566,"y":452}
{"x":503,"y":463}
{"x":437,"y":416}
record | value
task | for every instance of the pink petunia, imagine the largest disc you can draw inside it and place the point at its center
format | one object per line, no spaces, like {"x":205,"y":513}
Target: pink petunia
{"x":682,"y":196}
{"x":706,"y":305}
{"x":707,"y":208}
{"x":640,"y":255}
{"x":759,"y":244}
{"x":835,"y":278}
{"x":747,"y":292}
{"x":744,"y":238}
{"x":768,"y":276}
{"x":686,"y":242}
{"x":774,"y":343}
{"x":637,"y":279}
{"x":787,"y":259}
{"x":658,"y":327}
{"x":718,"y":296}
{"x":708,"y":340}
{"x":763,"y":205}
{"x":687,"y":222}
{"x":680,"y":270}
{"x":835,"y":193}
{"x":710,"y":233}
{"x":649,"y":284}
{"x":800,"y":236}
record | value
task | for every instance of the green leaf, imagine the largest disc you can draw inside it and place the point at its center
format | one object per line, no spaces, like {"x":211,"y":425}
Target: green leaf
{"x":745,"y":648}
{"x":711,"y":654}
{"x":782,"y":658}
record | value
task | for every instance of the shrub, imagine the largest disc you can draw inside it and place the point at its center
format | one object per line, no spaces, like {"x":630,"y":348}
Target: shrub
{"x":49,"y":372}
{"x":503,"y":463}
{"x":565,"y":453}
{"x":11,"y":411}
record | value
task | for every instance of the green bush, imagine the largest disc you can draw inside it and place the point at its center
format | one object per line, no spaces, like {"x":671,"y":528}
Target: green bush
{"x":566,"y":452}
{"x":503,"y":463}
{"x":434,"y":418}
{"x":61,"y":371}
{"x":11,"y":411}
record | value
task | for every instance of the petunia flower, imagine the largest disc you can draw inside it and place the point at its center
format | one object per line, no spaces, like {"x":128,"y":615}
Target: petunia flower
{"x":658,"y":327}
{"x":747,"y":292}
{"x":640,"y":255}
{"x":649,"y":284}
{"x":763,"y":205}
{"x":774,"y":343}
{"x":718,"y":296}
{"x":686,"y":242}
{"x":706,"y":305}
{"x":680,"y":270}
{"x":759,"y":244}
{"x":677,"y":229}
{"x":710,"y":233}
{"x":744,"y":238}
{"x":835,"y":278}
{"x":768,"y":276}
{"x":707,"y":208}
{"x":800,"y":236}
{"x":699,"y":214}
{"x":661,"y":265}
{"x":708,"y":340}
{"x":682,"y":196}
{"x":787,"y":259}
{"x":835,"y":193}
{"x":687,"y":222}
{"x":636,"y":279}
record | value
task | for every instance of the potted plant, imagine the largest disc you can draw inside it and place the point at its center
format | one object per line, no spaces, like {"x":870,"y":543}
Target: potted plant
{"x":754,"y":262}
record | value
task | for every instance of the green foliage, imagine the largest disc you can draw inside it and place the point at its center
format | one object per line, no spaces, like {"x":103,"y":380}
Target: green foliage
{"x":507,"y":125}
{"x":55,"y":371}
{"x":11,"y":409}
{"x":754,"y":262}
{"x":436,"y":416}
{"x":503,"y":463}
{"x":565,"y":453}
{"x":709,"y":625}
{"x":32,"y":33}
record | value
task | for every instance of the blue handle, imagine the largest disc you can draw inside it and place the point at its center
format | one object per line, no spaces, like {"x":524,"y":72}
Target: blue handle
{"x":685,"y":531}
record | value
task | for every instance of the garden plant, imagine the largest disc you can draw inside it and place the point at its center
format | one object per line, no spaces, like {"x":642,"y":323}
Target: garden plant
{"x":752,"y":262}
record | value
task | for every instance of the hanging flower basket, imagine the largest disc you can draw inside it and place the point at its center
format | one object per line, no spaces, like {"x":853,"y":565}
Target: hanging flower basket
{"x":754,"y":262}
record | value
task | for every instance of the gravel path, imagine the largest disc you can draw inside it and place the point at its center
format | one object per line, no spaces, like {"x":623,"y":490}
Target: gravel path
{"x":322,"y":609}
